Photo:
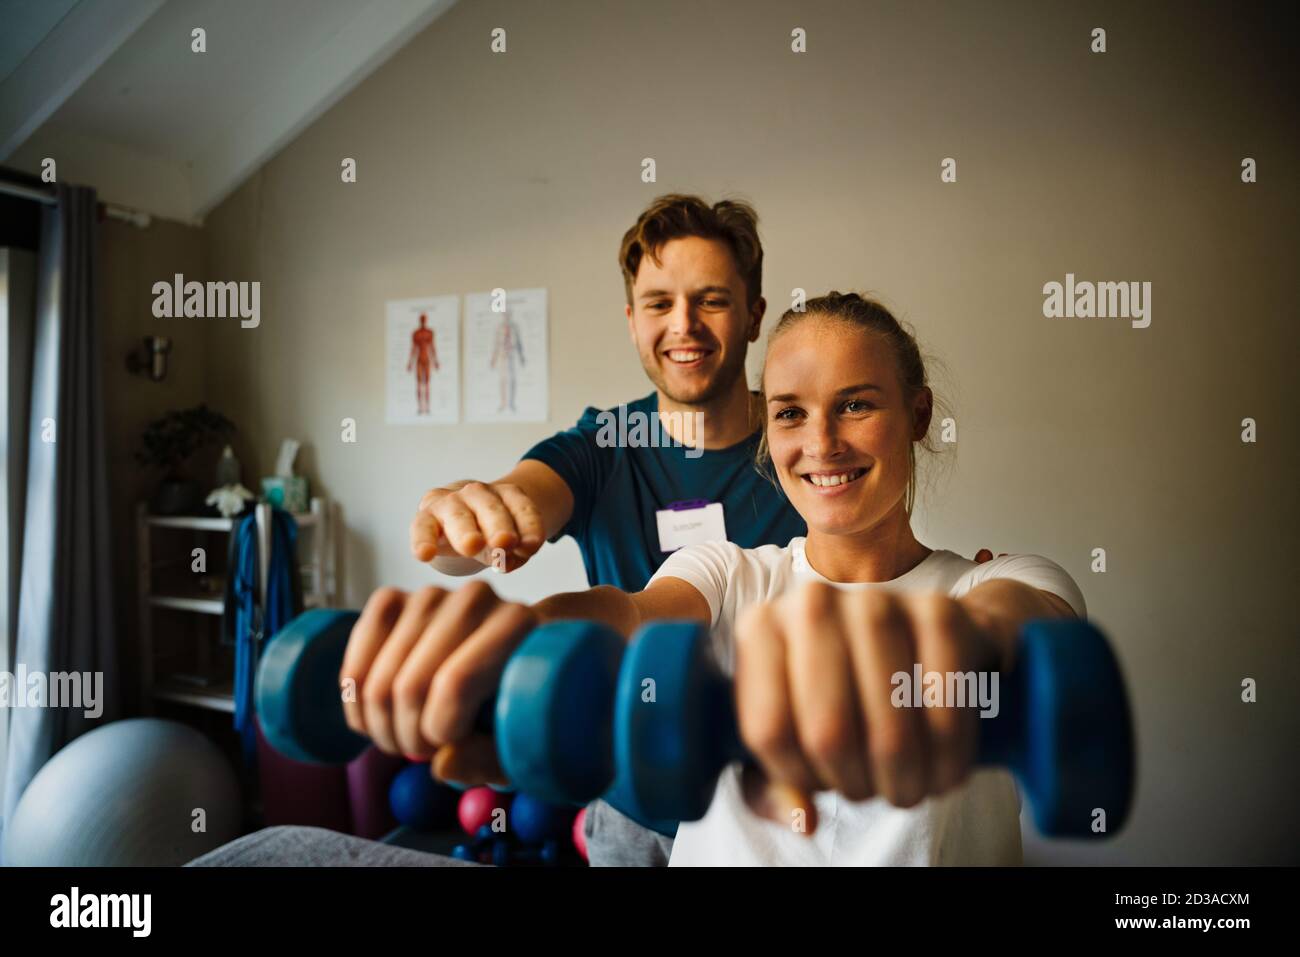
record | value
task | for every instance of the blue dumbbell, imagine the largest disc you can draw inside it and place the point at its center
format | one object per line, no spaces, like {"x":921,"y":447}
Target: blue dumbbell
{"x":296,"y":693}
{"x":570,"y":723}
{"x":300,"y":705}
{"x":1063,"y":725}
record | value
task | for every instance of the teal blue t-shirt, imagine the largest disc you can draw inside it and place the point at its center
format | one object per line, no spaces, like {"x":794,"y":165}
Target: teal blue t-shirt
{"x":622,"y":468}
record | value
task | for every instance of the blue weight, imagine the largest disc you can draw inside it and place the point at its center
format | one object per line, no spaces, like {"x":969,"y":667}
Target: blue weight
{"x":1063,"y":727}
{"x":554,"y":709}
{"x":554,"y":720}
{"x":674,"y":726}
{"x":420,"y":802}
{"x":297,"y":695}
{"x":651,"y":729}
{"x":1075,"y":730}
{"x":533,"y":820}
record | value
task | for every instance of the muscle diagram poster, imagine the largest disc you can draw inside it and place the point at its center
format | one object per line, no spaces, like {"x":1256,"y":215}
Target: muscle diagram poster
{"x":506,"y":365}
{"x":423,"y":361}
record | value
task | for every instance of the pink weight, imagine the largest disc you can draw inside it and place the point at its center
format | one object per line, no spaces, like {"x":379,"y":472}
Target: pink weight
{"x":477,"y":807}
{"x":579,"y":835}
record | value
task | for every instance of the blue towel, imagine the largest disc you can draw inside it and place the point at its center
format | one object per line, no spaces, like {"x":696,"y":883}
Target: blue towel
{"x":247,"y":623}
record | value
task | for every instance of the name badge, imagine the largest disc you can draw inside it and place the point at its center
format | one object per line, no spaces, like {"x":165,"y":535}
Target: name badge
{"x":690,"y":523}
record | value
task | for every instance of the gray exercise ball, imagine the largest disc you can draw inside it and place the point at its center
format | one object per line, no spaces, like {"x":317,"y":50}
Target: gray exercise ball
{"x":126,"y":794}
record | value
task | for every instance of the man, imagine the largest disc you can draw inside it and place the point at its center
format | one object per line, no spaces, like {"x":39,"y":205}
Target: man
{"x":693,"y":277}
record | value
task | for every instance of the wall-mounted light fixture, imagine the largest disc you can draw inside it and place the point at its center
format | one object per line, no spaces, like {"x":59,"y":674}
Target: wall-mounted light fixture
{"x":151,"y":358}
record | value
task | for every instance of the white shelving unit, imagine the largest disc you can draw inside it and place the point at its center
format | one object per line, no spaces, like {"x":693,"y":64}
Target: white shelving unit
{"x":318,"y":591}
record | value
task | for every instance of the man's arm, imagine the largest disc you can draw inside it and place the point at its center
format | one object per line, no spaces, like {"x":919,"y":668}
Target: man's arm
{"x":458,"y":526}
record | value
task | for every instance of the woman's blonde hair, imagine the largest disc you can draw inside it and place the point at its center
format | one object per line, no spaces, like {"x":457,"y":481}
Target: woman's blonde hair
{"x":871,"y":316}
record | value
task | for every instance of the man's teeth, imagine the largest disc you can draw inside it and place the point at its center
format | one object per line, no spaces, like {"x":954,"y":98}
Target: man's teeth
{"x":685,"y":355}
{"x":824,"y":480}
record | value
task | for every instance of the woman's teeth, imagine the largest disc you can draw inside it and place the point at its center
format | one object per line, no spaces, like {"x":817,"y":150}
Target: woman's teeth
{"x":829,"y":479}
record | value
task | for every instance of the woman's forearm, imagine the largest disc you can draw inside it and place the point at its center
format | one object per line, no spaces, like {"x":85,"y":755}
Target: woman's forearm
{"x":1001,"y":607}
{"x":604,"y":603}
{"x":625,"y":612}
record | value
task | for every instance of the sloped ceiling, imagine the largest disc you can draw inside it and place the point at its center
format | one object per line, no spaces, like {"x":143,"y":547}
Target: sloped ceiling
{"x":113,"y":92}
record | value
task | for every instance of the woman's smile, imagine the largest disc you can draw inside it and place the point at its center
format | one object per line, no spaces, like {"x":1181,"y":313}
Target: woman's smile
{"x":833,"y":483}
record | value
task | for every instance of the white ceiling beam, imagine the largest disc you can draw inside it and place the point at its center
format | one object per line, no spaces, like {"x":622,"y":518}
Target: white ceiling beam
{"x":66,"y":58}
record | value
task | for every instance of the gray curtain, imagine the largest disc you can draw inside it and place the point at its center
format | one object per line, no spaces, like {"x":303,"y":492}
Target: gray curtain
{"x":65,"y":601}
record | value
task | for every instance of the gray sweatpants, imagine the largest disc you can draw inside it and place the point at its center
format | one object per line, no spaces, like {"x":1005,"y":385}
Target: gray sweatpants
{"x":288,"y":846}
{"x":613,"y":840}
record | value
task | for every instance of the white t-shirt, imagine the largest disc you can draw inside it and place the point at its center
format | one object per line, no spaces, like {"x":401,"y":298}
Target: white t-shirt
{"x":976,"y":824}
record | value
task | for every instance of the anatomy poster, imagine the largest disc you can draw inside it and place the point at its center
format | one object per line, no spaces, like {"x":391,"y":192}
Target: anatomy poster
{"x":423,"y":361}
{"x":506,"y":367}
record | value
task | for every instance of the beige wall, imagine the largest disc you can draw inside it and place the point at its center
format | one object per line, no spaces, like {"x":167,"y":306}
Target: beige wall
{"x":131,"y":260}
{"x":523,"y":170}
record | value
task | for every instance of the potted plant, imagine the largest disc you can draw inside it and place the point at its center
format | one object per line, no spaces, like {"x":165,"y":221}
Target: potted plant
{"x":168,"y":443}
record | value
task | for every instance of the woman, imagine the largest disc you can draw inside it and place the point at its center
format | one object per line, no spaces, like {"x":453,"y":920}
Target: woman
{"x":814,"y":631}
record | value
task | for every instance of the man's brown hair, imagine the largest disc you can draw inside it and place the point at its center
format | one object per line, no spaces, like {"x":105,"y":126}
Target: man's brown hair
{"x":675,"y":216}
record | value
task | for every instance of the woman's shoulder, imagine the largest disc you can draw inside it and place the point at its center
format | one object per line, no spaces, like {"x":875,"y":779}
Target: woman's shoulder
{"x":950,"y":561}
{"x":1034,"y":570}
